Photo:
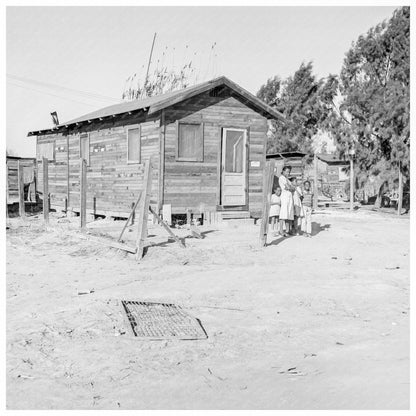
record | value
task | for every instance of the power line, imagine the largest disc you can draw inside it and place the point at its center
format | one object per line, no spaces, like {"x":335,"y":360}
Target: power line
{"x":86,"y":94}
{"x":53,"y":95}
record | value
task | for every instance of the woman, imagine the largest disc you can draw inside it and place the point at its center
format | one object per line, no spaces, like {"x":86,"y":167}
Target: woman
{"x":286,"y":199}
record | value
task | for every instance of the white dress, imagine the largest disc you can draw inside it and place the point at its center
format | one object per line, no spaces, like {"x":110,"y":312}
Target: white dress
{"x":275,"y":206}
{"x":297,"y":202}
{"x":286,"y":208}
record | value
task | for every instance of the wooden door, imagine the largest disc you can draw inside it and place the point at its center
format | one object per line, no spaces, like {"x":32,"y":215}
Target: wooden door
{"x":234,"y":165}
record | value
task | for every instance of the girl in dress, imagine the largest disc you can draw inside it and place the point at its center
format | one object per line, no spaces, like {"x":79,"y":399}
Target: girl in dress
{"x":286,"y":199}
{"x":275,"y":204}
{"x":307,"y":203}
{"x":298,"y":207}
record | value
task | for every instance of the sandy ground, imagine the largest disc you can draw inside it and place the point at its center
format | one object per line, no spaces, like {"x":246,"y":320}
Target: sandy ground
{"x":319,"y":323}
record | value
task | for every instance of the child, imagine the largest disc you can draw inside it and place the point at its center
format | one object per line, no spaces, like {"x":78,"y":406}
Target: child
{"x":297,"y":202}
{"x":306,"y":225}
{"x":275,"y":204}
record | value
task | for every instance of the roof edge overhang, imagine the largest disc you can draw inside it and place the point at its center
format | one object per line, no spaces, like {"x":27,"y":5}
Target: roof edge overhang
{"x":258,"y":104}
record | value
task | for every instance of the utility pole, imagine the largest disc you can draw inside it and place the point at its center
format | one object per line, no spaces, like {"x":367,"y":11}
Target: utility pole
{"x":148,"y":66}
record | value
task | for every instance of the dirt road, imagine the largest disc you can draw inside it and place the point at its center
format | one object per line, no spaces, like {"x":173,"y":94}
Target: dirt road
{"x":319,"y":323}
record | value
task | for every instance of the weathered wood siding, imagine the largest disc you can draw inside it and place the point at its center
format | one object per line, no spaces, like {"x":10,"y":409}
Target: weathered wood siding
{"x":12,"y":185}
{"x":112,"y":181}
{"x":185,"y":185}
{"x":196,"y":185}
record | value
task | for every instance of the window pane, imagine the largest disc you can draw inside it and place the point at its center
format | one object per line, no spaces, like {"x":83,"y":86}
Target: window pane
{"x":234,"y":151}
{"x":134,"y":145}
{"x":190,"y":142}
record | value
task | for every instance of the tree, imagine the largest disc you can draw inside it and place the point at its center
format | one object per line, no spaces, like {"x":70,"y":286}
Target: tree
{"x":374,"y":110}
{"x":270,"y":91}
{"x":159,"y":81}
{"x":305,"y":101}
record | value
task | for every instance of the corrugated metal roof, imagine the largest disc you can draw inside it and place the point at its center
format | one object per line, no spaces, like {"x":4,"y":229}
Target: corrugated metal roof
{"x":156,"y":103}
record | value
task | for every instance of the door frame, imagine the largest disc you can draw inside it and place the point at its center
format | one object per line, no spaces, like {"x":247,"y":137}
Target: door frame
{"x":221,"y":166}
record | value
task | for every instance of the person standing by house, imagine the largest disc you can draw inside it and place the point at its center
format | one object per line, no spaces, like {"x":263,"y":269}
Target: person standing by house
{"x":306,"y":224}
{"x":275,"y":204}
{"x":286,"y":199}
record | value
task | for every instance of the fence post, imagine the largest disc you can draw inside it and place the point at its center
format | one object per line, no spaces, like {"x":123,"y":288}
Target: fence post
{"x":144,"y":210}
{"x":45,"y":189}
{"x":21,"y":189}
{"x":267,"y":193}
{"x":83,"y":193}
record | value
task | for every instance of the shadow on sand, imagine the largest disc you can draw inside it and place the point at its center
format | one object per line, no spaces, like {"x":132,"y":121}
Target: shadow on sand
{"x":316,"y":229}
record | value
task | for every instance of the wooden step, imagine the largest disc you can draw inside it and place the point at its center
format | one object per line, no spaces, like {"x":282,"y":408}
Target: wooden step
{"x":232,"y":215}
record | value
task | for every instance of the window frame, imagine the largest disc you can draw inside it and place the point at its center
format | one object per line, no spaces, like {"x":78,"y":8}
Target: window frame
{"x":199,"y":158}
{"x":89,"y":150}
{"x":134,"y":127}
{"x":39,"y":144}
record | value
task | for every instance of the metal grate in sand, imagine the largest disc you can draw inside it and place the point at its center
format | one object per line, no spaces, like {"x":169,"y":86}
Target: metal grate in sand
{"x":162,"y":320}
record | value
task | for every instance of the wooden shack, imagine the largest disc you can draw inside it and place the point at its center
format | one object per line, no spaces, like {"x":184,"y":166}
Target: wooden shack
{"x":29,"y":178}
{"x":332,"y":175}
{"x":296,"y":160}
{"x":206,"y":143}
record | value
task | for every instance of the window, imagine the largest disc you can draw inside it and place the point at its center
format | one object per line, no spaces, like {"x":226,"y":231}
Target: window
{"x":133,"y":145}
{"x":190,"y":146}
{"x":84,"y":147}
{"x":46,"y":149}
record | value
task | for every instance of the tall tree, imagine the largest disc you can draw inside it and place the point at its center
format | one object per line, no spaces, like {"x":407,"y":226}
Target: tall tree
{"x":374,"y":110}
{"x":305,"y":102}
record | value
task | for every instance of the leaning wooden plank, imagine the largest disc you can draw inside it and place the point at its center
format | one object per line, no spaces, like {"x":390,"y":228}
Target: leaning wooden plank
{"x":130,"y":216}
{"x":166,"y":227}
{"x":108,"y":243}
{"x":267,"y":193}
{"x":144,"y":210}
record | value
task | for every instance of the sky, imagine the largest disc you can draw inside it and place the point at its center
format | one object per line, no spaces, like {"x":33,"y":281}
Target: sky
{"x":74,"y":60}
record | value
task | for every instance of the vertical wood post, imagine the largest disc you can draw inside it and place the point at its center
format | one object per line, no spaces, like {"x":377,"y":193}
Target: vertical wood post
{"x":267,"y":194}
{"x":161,"y":178}
{"x":45,"y":166}
{"x":94,"y":206}
{"x":83,"y":192}
{"x":67,"y":173}
{"x":351,"y":183}
{"x":21,"y":189}
{"x":144,"y":210}
{"x":400,"y":200}
{"x":315,"y":182}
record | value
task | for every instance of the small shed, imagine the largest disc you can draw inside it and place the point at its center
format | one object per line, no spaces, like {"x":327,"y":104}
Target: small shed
{"x":29,"y":177}
{"x":295,"y":159}
{"x":206,"y":143}
{"x":332,"y":176}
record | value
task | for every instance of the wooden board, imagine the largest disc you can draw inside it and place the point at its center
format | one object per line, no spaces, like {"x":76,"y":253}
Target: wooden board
{"x":267,"y":193}
{"x":45,"y":195}
{"x":144,"y":211}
